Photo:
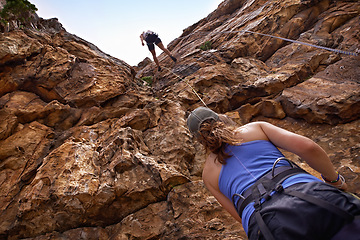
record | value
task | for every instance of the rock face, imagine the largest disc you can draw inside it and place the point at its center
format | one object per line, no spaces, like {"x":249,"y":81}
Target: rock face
{"x":88,"y":150}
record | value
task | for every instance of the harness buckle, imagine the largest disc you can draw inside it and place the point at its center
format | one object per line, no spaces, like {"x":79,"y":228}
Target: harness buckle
{"x":279,"y":188}
{"x":257,"y":205}
{"x":267,"y":196}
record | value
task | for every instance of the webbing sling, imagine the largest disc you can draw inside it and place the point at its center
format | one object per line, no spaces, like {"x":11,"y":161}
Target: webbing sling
{"x":247,"y":198}
{"x":322,"y":203}
{"x":263,"y":228}
{"x":278,"y":174}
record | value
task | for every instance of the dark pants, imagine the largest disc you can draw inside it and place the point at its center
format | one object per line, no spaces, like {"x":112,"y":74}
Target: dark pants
{"x":151,"y":39}
{"x":292,"y":218}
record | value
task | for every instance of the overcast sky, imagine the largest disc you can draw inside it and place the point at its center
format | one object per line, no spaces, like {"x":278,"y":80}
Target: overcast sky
{"x":114,"y":26}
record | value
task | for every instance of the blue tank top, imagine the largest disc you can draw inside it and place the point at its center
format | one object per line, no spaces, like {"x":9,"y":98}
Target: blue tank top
{"x":248,"y":162}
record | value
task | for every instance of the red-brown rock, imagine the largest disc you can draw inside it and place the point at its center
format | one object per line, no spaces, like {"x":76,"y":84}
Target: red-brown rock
{"x":89,"y":151}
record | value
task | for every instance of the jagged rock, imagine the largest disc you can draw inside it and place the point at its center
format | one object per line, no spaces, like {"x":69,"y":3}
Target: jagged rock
{"x":8,"y":124}
{"x":327,"y":97}
{"x":87,"y":151}
{"x":144,"y":63}
{"x":71,"y":72}
{"x":28,"y":107}
{"x":203,"y":210}
{"x":21,"y":155}
{"x":266,"y":108}
{"x":17,"y":47}
{"x":170,"y":141}
{"x":99,"y":175}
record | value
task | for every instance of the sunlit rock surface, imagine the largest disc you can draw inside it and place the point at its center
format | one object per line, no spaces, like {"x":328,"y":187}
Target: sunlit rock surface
{"x":90,"y":150}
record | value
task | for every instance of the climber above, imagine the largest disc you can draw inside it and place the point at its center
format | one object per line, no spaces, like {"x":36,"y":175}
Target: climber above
{"x":271,"y":196}
{"x":151,"y":38}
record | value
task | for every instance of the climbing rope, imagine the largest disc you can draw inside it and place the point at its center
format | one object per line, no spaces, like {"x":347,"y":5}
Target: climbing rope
{"x":281,"y":38}
{"x":262,"y":34}
{"x":182,"y":79}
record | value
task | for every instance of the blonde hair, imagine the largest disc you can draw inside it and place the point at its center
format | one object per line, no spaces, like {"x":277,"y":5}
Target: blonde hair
{"x":215,"y":135}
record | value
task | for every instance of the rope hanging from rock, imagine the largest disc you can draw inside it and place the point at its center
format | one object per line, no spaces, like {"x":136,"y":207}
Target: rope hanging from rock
{"x":262,"y":34}
{"x":188,"y":85}
{"x":285,"y":39}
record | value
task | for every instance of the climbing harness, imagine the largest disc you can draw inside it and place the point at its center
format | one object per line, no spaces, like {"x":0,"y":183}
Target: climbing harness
{"x":147,"y":33}
{"x":271,"y":183}
{"x":276,"y":174}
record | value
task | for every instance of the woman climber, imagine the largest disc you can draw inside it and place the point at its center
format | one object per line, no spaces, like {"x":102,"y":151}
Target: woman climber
{"x":151,"y":38}
{"x":271,"y":196}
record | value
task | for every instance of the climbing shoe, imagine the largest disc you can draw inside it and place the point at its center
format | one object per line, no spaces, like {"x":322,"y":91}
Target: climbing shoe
{"x":173,"y":58}
{"x":159,"y":68}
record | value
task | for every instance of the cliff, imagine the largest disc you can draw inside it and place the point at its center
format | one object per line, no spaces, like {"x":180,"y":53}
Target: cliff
{"x":89,"y":150}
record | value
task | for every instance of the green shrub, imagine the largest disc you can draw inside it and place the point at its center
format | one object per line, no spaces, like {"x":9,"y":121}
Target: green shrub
{"x":17,"y":10}
{"x":148,"y":79}
{"x":206,"y":46}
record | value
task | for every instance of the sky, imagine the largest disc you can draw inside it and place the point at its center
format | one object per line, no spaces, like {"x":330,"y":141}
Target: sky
{"x":114,"y":26}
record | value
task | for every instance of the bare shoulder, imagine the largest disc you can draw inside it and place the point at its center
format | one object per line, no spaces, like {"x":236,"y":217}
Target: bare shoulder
{"x":257,"y":124}
{"x":211,"y":171}
{"x":253,"y":126}
{"x":251,"y":132}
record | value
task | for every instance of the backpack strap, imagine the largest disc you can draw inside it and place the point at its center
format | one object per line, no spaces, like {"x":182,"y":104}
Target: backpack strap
{"x":263,"y":227}
{"x":321,"y":203}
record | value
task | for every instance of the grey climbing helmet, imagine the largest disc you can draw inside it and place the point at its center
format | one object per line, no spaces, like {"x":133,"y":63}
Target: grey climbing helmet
{"x":198,"y":116}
